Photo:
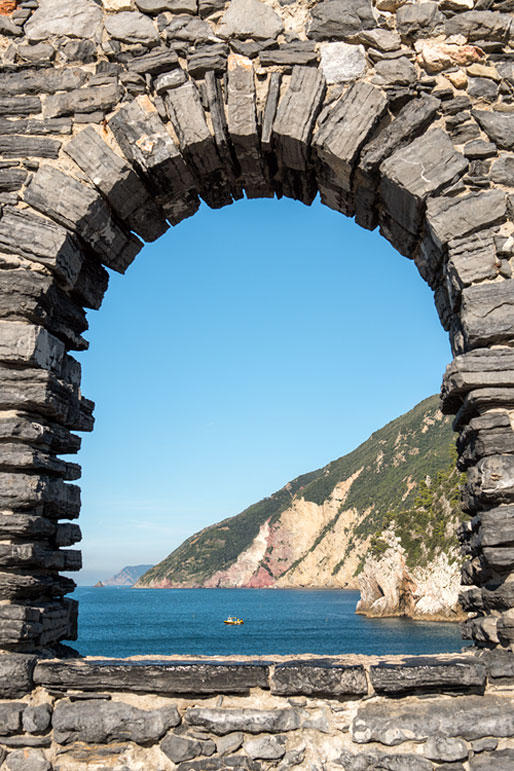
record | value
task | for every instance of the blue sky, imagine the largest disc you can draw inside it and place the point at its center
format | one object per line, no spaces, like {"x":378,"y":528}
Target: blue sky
{"x":245,"y":347}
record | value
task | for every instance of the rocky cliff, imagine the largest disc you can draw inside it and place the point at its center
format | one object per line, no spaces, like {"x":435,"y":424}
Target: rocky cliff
{"x":127,"y":576}
{"x":381,"y":518}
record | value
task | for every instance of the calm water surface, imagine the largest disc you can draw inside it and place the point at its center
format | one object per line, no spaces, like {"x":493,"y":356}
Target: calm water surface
{"x":126,"y":622}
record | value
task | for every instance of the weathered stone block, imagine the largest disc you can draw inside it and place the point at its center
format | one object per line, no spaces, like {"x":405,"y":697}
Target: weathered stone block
{"x":450,"y":218}
{"x":58,"y":17}
{"x":491,"y":481}
{"x":499,"y":127}
{"x":82,"y":100}
{"x":479,"y":25}
{"x":419,"y":21}
{"x":468,"y":718}
{"x":487,"y":314}
{"x":15,"y":146}
{"x":36,"y":720}
{"x":145,"y":141}
{"x":266,"y":747}
{"x":342,"y":63}
{"x":23,"y":491}
{"x":416,"y":171}
{"x":427,"y":674}
{"x":441,"y":748}
{"x":250,"y":18}
{"x":319,"y":678}
{"x":29,"y":345}
{"x":119,"y":183}
{"x":345,"y":128}
{"x":20,"y":105}
{"x":253,"y":721}
{"x":180,"y":748}
{"x":154,"y":677}
{"x":16,"y":671}
{"x":42,"y":240}
{"x":132,"y":27}
{"x":340,"y":19}
{"x":295,"y":117}
{"x":107,"y":722}
{"x":10,"y":717}
{"x":82,"y":209}
{"x":28,"y":760}
{"x":500,"y":760}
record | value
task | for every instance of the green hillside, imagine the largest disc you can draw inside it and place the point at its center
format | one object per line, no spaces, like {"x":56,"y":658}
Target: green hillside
{"x":403,"y":469}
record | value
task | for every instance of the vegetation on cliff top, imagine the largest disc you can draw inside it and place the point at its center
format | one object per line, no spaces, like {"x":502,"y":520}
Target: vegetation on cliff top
{"x":403,"y":468}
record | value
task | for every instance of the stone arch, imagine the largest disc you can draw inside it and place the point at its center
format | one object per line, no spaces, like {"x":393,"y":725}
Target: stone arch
{"x":120,"y":115}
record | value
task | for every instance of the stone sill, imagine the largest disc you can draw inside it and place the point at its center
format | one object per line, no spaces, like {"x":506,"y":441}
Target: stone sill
{"x":339,"y":678}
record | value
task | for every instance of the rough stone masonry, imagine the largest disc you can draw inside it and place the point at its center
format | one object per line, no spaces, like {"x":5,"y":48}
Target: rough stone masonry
{"x":117,"y":117}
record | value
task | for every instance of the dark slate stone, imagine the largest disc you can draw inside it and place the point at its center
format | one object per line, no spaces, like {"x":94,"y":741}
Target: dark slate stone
{"x":499,"y":127}
{"x":208,"y":58}
{"x":450,"y":218}
{"x":16,"y":671}
{"x":428,"y":675}
{"x":479,"y":149}
{"x":502,"y":170}
{"x":25,"y":147}
{"x":483,"y":88}
{"x":499,"y":664}
{"x":339,"y":19}
{"x":37,"y":81}
{"x":108,"y":721}
{"x":251,"y":48}
{"x":236,"y":762}
{"x":319,"y":678}
{"x":119,"y":183}
{"x":23,"y":586}
{"x":394,"y":72}
{"x":477,"y":25}
{"x":12,"y":179}
{"x":254,"y":721}
{"x":20,"y":105}
{"x":10,"y":717}
{"x":83,"y":100}
{"x":180,"y":748}
{"x":34,"y":126}
{"x":157,"y":61}
{"x":155,"y":676}
{"x":83,"y":210}
{"x":289,"y":55}
{"x":419,"y":20}
{"x":487,"y":315}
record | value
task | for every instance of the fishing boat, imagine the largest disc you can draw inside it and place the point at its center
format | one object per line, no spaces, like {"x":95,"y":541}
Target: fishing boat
{"x":233,"y":621}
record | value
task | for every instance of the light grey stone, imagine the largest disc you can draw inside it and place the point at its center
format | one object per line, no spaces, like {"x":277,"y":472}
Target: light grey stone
{"x":266,"y":747}
{"x":250,"y":18}
{"x":501,"y":760}
{"x":131,"y":27}
{"x":253,"y":721}
{"x":442,"y":748}
{"x":502,"y":170}
{"x":341,"y":62}
{"x":394,"y":72}
{"x":499,"y":127}
{"x":36,"y":720}
{"x":60,"y":17}
{"x":109,"y":722}
{"x":487,"y":314}
{"x":174,"y":6}
{"x":381,"y":39}
{"x":229,"y":743}
{"x":27,"y":760}
{"x":340,"y":19}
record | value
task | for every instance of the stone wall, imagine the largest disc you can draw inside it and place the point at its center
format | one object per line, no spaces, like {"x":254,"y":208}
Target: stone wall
{"x":119,"y":116}
{"x":333,"y":714}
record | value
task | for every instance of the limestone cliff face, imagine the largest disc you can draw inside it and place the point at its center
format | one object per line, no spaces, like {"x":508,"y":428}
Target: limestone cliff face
{"x":389,"y":587}
{"x":381,"y":519}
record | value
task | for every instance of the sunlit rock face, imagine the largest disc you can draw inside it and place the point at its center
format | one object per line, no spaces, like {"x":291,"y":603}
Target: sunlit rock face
{"x":118,"y":117}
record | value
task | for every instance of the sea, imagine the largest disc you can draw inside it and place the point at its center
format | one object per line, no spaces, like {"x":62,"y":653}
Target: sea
{"x":121,"y":622}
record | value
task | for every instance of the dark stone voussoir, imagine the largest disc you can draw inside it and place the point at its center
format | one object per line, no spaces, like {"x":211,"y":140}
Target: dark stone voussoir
{"x":430,"y":674}
{"x":319,"y":678}
{"x":153,"y":676}
{"x":83,"y":210}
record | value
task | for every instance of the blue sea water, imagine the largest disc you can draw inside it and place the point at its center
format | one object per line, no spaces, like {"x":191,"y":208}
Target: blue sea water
{"x":123,"y":622}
